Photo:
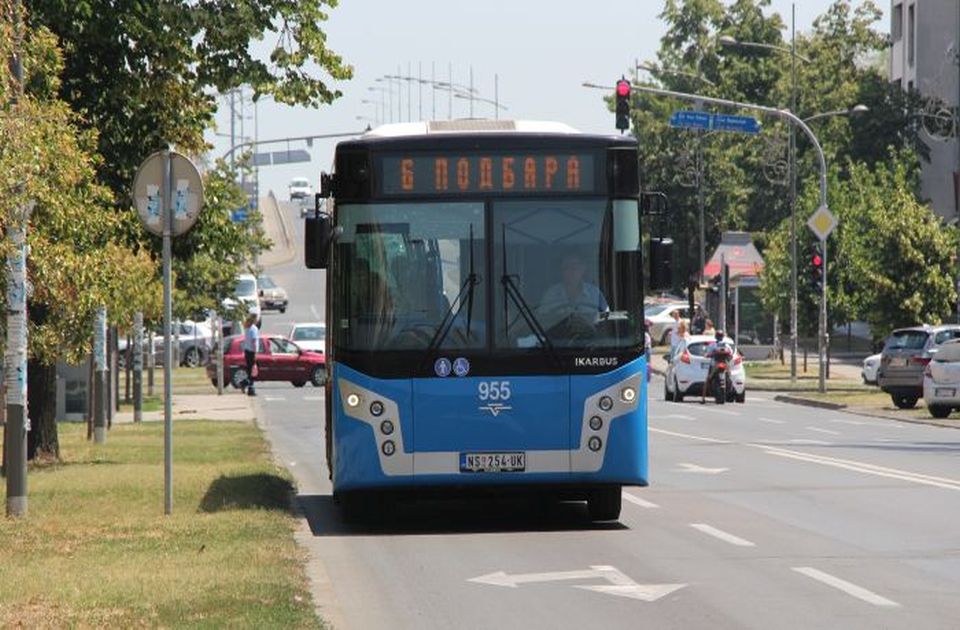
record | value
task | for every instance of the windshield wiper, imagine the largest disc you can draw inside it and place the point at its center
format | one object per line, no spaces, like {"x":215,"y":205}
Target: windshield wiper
{"x":464,"y":297}
{"x":511,"y":291}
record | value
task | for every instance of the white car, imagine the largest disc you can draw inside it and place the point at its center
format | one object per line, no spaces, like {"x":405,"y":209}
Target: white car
{"x":661,"y":319}
{"x":941,"y":380}
{"x":300,"y":188}
{"x":688,"y":366}
{"x":246,"y":294}
{"x":309,"y":335}
{"x":870,"y":366}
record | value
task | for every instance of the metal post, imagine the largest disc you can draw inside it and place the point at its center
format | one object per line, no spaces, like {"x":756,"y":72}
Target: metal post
{"x":233,"y":125}
{"x":703,"y":228}
{"x":99,"y":377}
{"x":167,"y":346}
{"x":138,"y":367}
{"x":217,"y":340}
{"x":151,"y":362}
{"x":17,"y":423}
{"x":722,"y":318}
{"x":822,"y":350}
{"x":791,"y":161}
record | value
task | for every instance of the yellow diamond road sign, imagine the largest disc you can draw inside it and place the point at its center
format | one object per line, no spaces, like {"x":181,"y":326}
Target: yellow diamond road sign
{"x":822,"y":222}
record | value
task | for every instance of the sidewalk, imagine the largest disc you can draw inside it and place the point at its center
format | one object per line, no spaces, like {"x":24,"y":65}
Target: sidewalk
{"x":233,"y":405}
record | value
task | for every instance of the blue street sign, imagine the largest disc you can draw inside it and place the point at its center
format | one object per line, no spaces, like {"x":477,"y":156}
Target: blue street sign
{"x":691,"y":119}
{"x":238,"y":215}
{"x":729,"y":122}
{"x":719,"y":122}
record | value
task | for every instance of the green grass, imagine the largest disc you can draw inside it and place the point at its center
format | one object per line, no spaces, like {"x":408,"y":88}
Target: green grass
{"x":97,"y":550}
{"x":185,"y":381}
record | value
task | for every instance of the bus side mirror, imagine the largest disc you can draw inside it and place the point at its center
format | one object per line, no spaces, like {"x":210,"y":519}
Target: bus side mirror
{"x":653,"y":203}
{"x":661,"y":263}
{"x":318,"y":237}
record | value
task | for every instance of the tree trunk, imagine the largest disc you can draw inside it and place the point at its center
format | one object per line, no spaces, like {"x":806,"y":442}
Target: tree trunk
{"x":42,"y":440}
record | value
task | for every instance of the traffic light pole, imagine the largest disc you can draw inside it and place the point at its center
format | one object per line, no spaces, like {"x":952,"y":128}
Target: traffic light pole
{"x":783,"y":114}
{"x":823,"y":334}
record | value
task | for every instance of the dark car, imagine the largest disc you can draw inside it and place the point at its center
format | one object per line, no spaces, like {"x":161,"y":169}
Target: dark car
{"x":278,"y":359}
{"x":905,"y":355}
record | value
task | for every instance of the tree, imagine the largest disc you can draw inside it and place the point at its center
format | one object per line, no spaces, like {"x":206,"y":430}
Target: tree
{"x":77,"y":259}
{"x":890,"y":259}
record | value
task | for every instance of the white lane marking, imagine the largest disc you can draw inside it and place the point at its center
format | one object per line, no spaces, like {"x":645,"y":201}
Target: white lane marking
{"x":856,"y":423}
{"x":678,"y":416}
{"x":827,"y":431}
{"x":722,"y":535}
{"x":862,"y":467}
{"x":314,"y":398}
{"x":274,"y":398}
{"x":847,"y":587}
{"x":724,"y":412}
{"x":638,"y":501}
{"x":846,"y":464}
{"x":689,"y":437}
{"x":810,"y":442}
{"x":313,"y":309}
{"x":695,"y":468}
{"x":771,"y":420}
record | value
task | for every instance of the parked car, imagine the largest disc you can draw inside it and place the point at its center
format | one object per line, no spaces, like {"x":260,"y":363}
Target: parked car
{"x":278,"y":359}
{"x":870,"y":366}
{"x":272,"y":295}
{"x":688,"y":366}
{"x":941,"y":380}
{"x":195,"y":345}
{"x":905,"y":355}
{"x":300,"y":188}
{"x":246,"y":296}
{"x":660,"y":317}
{"x":309,"y":335}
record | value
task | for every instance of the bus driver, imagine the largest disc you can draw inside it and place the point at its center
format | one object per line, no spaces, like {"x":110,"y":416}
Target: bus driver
{"x":572,"y":297}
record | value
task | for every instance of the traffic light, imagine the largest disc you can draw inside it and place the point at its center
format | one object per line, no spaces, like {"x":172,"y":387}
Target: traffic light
{"x":816,"y":269}
{"x":661,"y":263}
{"x":623,"y":104}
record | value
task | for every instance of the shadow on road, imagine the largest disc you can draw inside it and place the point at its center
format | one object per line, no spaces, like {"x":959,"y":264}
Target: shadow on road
{"x":477,"y":515}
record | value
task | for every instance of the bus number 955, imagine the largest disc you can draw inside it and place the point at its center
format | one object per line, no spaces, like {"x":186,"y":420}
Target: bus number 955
{"x":493,"y":390}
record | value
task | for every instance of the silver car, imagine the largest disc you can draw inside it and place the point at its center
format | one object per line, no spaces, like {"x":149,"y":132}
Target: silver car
{"x":905,"y":355}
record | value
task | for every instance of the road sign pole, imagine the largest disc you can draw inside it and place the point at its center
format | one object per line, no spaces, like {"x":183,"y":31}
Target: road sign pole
{"x":167,"y":202}
{"x":822,"y":349}
{"x":137,"y":360}
{"x":99,"y":375}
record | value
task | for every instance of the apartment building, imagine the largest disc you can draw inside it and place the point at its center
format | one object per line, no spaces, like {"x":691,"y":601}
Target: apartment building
{"x":925,"y":56}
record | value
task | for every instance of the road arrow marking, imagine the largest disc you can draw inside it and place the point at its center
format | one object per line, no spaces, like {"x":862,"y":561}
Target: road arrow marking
{"x":694,"y":468}
{"x":619,"y":584}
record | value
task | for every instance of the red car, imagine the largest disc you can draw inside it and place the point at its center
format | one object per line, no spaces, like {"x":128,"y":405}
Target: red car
{"x":278,"y":359}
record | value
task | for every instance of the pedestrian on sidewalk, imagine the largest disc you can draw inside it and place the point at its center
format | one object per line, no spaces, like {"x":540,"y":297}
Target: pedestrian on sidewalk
{"x":708,"y":328}
{"x":699,"y":321}
{"x":677,"y":336}
{"x":251,"y":340}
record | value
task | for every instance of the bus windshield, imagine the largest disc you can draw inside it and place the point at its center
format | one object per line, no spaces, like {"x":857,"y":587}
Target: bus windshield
{"x":545,"y":279}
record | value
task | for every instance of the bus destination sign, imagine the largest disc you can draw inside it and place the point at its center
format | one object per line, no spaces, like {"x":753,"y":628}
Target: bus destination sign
{"x":523,"y":173}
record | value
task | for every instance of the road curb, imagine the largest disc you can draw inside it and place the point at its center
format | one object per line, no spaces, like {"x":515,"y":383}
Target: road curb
{"x":806,"y":402}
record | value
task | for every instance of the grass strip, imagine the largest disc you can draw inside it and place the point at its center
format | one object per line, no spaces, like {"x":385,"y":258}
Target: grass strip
{"x":97,"y":550}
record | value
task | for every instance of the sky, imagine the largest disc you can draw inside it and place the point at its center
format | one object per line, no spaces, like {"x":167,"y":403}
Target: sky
{"x":529,"y":55}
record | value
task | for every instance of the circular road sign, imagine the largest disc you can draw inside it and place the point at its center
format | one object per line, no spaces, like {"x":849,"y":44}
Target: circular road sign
{"x":149,"y":193}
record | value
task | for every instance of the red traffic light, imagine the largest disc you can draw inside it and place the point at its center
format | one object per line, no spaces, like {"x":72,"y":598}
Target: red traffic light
{"x":623,"y":87}
{"x":817,"y":260}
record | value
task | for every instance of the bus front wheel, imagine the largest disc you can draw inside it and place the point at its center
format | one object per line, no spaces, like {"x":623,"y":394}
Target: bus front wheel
{"x":604,"y":503}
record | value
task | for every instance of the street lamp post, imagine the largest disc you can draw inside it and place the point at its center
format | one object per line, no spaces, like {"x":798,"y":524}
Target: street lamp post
{"x":473,"y":97}
{"x":732,"y":42}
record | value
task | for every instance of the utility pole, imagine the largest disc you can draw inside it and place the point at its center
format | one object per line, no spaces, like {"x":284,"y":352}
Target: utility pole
{"x":99,"y":377}
{"x":17,"y":422}
{"x":138,"y":366}
{"x":792,"y":162}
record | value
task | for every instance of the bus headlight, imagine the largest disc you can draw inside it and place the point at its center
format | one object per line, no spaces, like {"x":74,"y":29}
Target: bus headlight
{"x":628,"y":394}
{"x":376,"y":408}
{"x":353,"y":400}
{"x":386,"y":427}
{"x":606,"y":403}
{"x":389,"y":448}
{"x":596,"y":423}
{"x":594,"y":444}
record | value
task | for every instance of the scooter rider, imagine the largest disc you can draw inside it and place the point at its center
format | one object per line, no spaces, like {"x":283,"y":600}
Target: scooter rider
{"x":720,"y":345}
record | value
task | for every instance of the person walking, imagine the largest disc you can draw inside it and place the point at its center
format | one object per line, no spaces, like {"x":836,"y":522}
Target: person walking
{"x":251,"y":340}
{"x":699,"y":321}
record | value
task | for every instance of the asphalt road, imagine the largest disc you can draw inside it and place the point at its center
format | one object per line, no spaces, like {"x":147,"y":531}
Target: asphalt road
{"x":762,"y":515}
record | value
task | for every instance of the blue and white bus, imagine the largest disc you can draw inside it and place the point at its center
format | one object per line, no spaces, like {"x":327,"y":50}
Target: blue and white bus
{"x":484,"y":311}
